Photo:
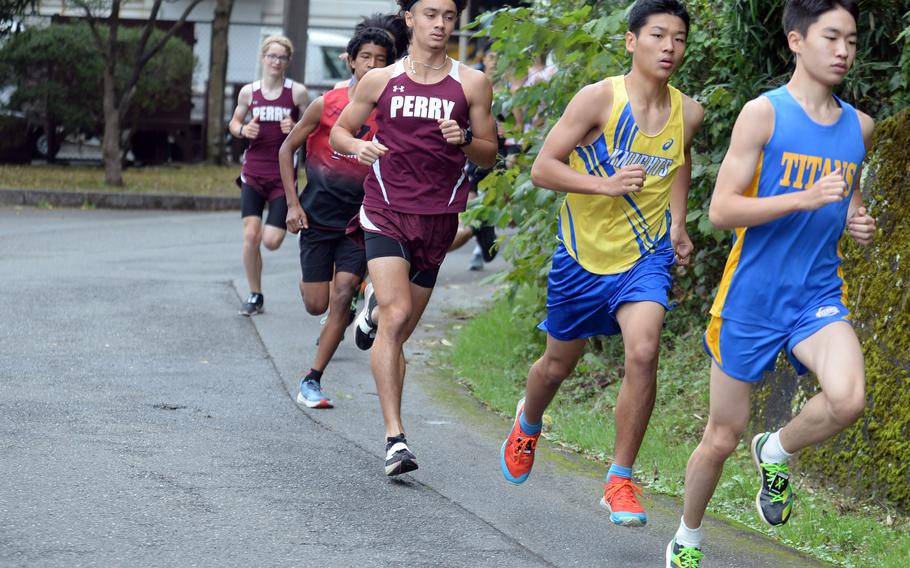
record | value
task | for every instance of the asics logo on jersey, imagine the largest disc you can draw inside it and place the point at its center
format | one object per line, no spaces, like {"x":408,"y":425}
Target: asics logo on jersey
{"x":801,"y":171}
{"x":421,"y":107}
{"x":827,"y":311}
{"x":654,"y":165}
{"x":667,"y":145}
{"x":398,"y":88}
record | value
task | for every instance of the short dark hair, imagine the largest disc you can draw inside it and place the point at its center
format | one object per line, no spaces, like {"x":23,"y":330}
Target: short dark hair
{"x":644,"y":9}
{"x":799,"y":15}
{"x":371,"y":35}
{"x":406,"y":5}
{"x":393,"y":24}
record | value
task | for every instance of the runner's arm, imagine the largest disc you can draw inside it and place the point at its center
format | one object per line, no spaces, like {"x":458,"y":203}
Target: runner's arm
{"x":297,"y":138}
{"x":243,"y":107}
{"x":730,"y":207}
{"x":342,"y":137}
{"x":484,"y":145}
{"x":582,"y":118}
{"x":693,"y":114}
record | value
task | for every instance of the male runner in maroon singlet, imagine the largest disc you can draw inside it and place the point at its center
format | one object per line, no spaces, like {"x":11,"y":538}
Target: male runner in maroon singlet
{"x":276,"y":103}
{"x":332,"y":265}
{"x":432,"y":113}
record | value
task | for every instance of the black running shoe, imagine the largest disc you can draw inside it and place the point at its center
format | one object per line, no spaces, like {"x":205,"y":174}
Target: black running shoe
{"x":365,"y":328}
{"x":255,"y":304}
{"x":486,"y":238}
{"x":398,"y":457}
{"x":679,"y":556}
{"x":775,"y":498}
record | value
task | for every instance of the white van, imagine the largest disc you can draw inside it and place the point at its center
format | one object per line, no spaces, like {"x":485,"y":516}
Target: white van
{"x":324,"y":66}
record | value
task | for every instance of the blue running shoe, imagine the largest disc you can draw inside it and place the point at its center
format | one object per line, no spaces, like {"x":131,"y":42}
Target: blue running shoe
{"x":311,"y":396}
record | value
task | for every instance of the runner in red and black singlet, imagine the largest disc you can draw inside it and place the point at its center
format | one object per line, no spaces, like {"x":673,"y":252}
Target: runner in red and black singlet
{"x":433,"y":114}
{"x":333,"y":195}
{"x":274,"y":104}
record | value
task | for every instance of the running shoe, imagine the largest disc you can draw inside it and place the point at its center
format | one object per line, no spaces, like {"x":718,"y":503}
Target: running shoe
{"x":398,"y":457}
{"x":255,"y":304}
{"x":486,"y":238}
{"x":774,"y":500}
{"x":516,"y":458}
{"x":365,"y":328}
{"x":476,"y":263}
{"x":679,"y":556}
{"x":311,"y":396}
{"x":619,"y":498}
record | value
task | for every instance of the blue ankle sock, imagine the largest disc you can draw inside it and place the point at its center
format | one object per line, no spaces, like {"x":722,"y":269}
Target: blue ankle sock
{"x":529,"y":429}
{"x":619,"y":471}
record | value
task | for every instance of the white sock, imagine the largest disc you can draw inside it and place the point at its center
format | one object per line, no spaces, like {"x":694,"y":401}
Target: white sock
{"x":689,"y":537}
{"x":773,"y":452}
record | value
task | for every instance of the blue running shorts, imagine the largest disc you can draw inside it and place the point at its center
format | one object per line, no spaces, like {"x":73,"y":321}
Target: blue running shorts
{"x":745,"y":351}
{"x":581,"y":304}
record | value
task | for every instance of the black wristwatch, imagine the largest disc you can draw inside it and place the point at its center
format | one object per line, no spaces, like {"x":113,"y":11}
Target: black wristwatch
{"x":468,"y":136}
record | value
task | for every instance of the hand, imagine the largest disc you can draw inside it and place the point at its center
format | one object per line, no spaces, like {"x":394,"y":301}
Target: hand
{"x":451,"y":131}
{"x":630,"y":179}
{"x":682,"y":245}
{"x":296,"y":219}
{"x":368,"y":151}
{"x":829,"y":189}
{"x":251,"y":129}
{"x":287,"y":124}
{"x":861,"y":227}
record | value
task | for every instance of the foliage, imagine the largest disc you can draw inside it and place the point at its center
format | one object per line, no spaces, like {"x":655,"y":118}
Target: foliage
{"x":57,"y":70}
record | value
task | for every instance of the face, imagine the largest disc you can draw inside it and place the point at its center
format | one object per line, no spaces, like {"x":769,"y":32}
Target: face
{"x":275,"y":59}
{"x":489,"y":61}
{"x":431,"y":22}
{"x":370,"y":56}
{"x":829,"y":49}
{"x":660,"y":45}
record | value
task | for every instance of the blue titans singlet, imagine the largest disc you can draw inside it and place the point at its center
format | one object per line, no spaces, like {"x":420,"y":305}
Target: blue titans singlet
{"x":777,"y":270}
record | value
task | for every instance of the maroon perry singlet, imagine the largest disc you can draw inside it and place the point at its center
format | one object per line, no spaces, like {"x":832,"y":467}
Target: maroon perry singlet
{"x":334,"y":190}
{"x":421,"y":173}
{"x":261,"y":158}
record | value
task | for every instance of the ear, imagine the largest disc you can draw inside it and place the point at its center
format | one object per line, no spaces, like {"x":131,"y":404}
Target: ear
{"x":795,"y":41}
{"x":409,"y":19}
{"x":631,"y":40}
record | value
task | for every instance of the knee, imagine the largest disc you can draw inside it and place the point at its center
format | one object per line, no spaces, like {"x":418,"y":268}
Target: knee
{"x":393,"y":320}
{"x":314,"y":308}
{"x":272,"y":242}
{"x":554,"y":371}
{"x":642,"y":354}
{"x":342,"y":296}
{"x":721,"y":441}
{"x":847,"y":408}
{"x":252,"y":235}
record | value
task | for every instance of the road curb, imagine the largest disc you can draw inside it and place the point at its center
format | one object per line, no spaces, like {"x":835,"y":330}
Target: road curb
{"x":107,"y":200}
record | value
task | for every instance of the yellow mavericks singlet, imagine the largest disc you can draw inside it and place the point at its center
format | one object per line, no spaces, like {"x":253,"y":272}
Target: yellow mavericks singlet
{"x":607,"y":235}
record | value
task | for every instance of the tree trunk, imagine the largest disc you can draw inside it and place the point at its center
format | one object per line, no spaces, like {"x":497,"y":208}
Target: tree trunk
{"x":217,"y":77}
{"x":110,"y":144}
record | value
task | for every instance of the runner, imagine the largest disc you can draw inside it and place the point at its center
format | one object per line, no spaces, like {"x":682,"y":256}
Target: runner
{"x":332,"y":265}
{"x":275,"y":103}
{"x":432,"y":114}
{"x":789,"y":187}
{"x":628,"y":140}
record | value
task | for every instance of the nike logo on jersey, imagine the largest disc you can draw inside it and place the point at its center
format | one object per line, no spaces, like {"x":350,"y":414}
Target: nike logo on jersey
{"x":421,"y":107}
{"x":270,"y":113}
{"x":802,"y":170}
{"x":654,"y":165}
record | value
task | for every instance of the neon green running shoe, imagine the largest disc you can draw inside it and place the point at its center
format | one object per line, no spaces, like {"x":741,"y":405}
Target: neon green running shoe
{"x":679,"y":556}
{"x":774,"y":500}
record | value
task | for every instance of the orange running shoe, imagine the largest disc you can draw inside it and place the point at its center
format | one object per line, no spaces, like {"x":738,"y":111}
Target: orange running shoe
{"x":517,"y":454}
{"x":619,"y":498}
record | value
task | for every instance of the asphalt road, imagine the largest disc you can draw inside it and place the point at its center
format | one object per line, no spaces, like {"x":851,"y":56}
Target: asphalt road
{"x":144,"y":423}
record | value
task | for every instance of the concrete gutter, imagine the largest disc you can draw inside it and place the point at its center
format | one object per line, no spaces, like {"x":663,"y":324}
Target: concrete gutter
{"x":108,"y":200}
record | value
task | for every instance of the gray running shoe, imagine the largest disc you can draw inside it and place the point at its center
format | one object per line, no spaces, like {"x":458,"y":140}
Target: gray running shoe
{"x":774,"y":500}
